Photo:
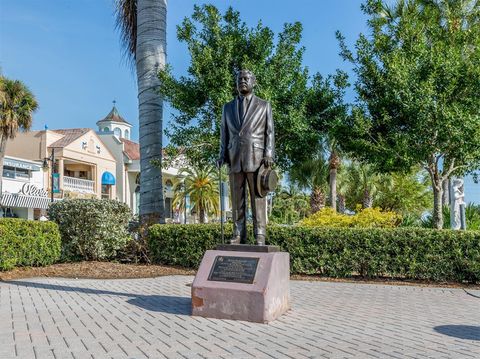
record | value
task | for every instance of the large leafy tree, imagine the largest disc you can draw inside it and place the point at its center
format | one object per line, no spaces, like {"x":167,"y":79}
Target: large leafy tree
{"x":142,"y":24}
{"x":17,"y":104}
{"x":219,"y":46}
{"x":418,"y":85}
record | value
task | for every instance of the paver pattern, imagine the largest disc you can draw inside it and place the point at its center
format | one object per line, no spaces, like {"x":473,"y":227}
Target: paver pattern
{"x":150,"y":318}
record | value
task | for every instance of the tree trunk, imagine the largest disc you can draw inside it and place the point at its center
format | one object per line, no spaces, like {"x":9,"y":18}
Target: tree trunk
{"x":367,"y":199}
{"x":333,"y":188}
{"x":341,"y":203}
{"x":437,"y":205}
{"x":150,"y":58}
{"x":3,"y":145}
{"x":334,"y":163}
{"x":317,"y":199}
{"x":446,"y":192}
{"x":202,"y":215}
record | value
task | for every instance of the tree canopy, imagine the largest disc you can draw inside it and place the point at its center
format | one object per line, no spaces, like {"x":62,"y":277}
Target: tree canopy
{"x":418,"y":85}
{"x":219,"y":46}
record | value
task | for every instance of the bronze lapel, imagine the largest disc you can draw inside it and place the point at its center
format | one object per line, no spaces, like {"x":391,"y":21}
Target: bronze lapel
{"x":235,"y":109}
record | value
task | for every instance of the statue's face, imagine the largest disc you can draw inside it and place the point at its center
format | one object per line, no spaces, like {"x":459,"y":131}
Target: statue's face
{"x":245,"y":83}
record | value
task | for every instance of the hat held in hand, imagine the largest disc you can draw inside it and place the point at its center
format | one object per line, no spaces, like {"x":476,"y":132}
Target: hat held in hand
{"x":267,"y":180}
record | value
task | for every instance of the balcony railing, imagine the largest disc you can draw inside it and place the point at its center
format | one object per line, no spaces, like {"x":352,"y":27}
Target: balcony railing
{"x":78,"y":185}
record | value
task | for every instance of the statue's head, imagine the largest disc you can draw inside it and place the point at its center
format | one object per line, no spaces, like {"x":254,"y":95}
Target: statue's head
{"x":457,"y":182}
{"x":245,"y":82}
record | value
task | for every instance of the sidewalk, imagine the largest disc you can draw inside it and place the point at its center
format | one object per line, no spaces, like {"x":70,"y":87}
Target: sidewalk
{"x":150,"y":318}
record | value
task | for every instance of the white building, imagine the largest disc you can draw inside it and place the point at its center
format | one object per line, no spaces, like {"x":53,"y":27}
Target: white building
{"x":24,"y":194}
{"x":114,"y":132}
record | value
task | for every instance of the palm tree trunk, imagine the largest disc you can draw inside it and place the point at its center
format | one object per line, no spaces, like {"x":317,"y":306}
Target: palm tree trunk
{"x":334,"y":163}
{"x":341,"y":203}
{"x":367,"y":199}
{"x":3,"y":145}
{"x":150,"y":58}
{"x":333,"y":189}
{"x":202,"y":214}
{"x":317,"y":199}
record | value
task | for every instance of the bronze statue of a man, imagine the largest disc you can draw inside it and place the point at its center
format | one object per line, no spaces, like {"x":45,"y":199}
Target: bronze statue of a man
{"x":247,"y":143}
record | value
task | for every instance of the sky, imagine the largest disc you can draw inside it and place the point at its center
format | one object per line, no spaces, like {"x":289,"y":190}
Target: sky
{"x":68,"y":52}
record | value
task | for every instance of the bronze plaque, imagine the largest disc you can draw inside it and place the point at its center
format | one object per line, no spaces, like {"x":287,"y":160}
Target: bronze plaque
{"x":234,"y":269}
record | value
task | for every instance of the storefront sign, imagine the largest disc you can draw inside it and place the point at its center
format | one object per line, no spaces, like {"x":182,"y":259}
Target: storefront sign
{"x":30,"y":190}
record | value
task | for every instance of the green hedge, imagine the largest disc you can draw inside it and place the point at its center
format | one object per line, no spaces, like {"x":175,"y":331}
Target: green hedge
{"x":28,"y":243}
{"x":413,"y":253}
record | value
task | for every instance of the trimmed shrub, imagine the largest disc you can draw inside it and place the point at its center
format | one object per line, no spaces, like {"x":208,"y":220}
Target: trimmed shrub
{"x":411,"y":253}
{"x":91,"y":229}
{"x":364,"y":218}
{"x":28,"y":243}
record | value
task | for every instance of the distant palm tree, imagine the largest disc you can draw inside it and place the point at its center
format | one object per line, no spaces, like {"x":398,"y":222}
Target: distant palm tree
{"x":142,"y":24}
{"x":313,"y":175}
{"x":201,"y":186}
{"x":334,"y":162}
{"x":363,"y":183}
{"x":17,"y":105}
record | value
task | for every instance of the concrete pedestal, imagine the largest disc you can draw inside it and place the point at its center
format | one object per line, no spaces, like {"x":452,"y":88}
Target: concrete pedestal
{"x":264,"y":300}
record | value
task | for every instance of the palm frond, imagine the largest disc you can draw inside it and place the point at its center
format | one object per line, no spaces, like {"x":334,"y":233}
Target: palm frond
{"x":126,"y":24}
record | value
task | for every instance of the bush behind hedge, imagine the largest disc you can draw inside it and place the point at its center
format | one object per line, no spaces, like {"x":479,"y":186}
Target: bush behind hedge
{"x":28,"y":243}
{"x":412,"y":253}
{"x":91,"y":229}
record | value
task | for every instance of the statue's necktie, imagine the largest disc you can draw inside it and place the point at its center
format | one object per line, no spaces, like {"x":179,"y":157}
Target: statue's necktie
{"x":242,"y":108}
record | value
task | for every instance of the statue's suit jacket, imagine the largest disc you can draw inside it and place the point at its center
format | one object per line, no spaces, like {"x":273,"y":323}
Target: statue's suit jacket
{"x":244,"y":143}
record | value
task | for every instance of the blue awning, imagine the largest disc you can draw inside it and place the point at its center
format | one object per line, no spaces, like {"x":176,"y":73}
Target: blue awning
{"x":108,"y":178}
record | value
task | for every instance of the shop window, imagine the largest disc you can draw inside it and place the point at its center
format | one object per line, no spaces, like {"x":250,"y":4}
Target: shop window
{"x":22,"y":173}
{"x":106,"y":191}
{"x":12,"y":172}
{"x":168,"y":208}
{"x":8,"y":171}
{"x":168,"y":185}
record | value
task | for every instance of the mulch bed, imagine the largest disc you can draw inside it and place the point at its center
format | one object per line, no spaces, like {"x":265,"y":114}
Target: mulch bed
{"x":95,"y":270}
{"x":112,"y":270}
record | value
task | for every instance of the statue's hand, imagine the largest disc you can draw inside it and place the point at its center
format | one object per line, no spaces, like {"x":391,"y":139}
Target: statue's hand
{"x":268,"y":161}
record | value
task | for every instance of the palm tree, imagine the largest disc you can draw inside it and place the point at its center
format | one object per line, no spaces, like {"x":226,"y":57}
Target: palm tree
{"x":312,"y":175}
{"x":201,"y":185}
{"x":363,"y":183}
{"x":334,"y":162}
{"x":17,"y":105}
{"x":142,"y":24}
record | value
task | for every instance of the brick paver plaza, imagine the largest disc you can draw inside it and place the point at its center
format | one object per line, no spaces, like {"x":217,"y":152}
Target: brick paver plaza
{"x":150,"y":318}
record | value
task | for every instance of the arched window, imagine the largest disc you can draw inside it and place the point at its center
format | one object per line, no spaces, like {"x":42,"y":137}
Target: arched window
{"x":168,"y":185}
{"x":127,"y":134}
{"x":106,"y":129}
{"x":117,"y":132}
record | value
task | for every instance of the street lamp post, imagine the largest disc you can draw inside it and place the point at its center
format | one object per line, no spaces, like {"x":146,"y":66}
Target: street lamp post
{"x":45,"y":168}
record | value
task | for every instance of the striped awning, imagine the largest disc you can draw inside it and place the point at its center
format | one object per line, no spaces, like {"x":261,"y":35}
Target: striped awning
{"x":20,"y":200}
